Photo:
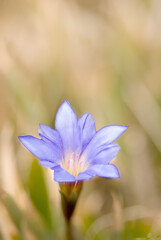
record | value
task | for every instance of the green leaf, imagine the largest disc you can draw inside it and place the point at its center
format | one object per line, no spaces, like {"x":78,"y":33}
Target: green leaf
{"x":38,"y":193}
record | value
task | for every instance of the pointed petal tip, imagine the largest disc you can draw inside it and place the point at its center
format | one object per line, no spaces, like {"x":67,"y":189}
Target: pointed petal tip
{"x":117,"y":173}
{"x":66,"y":108}
{"x":25,"y":140}
{"x":40,"y":125}
{"x":65,"y":102}
{"x":126,"y":127}
{"x":19,"y":137}
{"x":22,"y":138}
{"x":121,"y":126}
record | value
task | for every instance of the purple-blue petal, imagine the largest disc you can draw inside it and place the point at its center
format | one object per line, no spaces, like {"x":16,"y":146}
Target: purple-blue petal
{"x":107,"y":171}
{"x":87,"y":127}
{"x":105,"y":155}
{"x":82,"y":119}
{"x":41,"y":149}
{"x":48,"y":164}
{"x":61,"y":175}
{"x":66,"y":125}
{"x":49,"y":134}
{"x":82,"y":176}
{"x":102,"y":138}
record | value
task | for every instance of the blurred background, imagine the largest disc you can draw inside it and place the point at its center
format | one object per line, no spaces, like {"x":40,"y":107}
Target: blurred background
{"x":104,"y":57}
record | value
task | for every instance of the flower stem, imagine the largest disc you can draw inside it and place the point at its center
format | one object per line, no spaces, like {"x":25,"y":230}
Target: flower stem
{"x":69,"y":196}
{"x":69,"y":234}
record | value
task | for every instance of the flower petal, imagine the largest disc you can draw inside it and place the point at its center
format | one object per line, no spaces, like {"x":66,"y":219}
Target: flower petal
{"x":105,"y":155}
{"x":87,"y":127}
{"x":61,"y":175}
{"x":102,"y":138}
{"x":66,"y":125}
{"x":82,"y":176}
{"x":108,"y":171}
{"x":47,"y":133}
{"x":41,"y":149}
{"x":82,"y":120}
{"x":48,"y":164}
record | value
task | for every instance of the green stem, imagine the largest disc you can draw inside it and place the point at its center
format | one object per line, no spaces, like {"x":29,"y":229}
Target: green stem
{"x":69,"y":197}
{"x":69,"y":235}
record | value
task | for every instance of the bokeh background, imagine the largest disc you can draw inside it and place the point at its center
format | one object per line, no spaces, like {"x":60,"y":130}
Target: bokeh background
{"x":104,"y":57}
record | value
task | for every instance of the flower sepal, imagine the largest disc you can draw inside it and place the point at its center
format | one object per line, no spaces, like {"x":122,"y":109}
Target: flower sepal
{"x":69,"y":196}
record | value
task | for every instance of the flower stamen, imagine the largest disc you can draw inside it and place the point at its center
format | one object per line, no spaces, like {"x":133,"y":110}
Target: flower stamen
{"x":73,"y":164}
{"x":68,"y":164}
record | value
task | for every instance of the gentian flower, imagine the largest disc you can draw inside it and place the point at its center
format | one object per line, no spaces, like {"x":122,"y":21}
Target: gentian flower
{"x":74,"y":149}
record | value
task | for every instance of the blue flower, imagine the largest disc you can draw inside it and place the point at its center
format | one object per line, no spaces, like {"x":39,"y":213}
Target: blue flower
{"x":75,"y":150}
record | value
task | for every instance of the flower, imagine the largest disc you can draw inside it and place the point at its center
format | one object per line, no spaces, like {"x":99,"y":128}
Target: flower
{"x":75,"y":150}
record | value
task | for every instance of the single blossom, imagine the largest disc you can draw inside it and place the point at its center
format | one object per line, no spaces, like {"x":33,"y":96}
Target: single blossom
{"x":74,"y":149}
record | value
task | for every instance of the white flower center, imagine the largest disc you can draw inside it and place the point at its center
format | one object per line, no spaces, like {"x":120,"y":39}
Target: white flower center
{"x":74,"y":164}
